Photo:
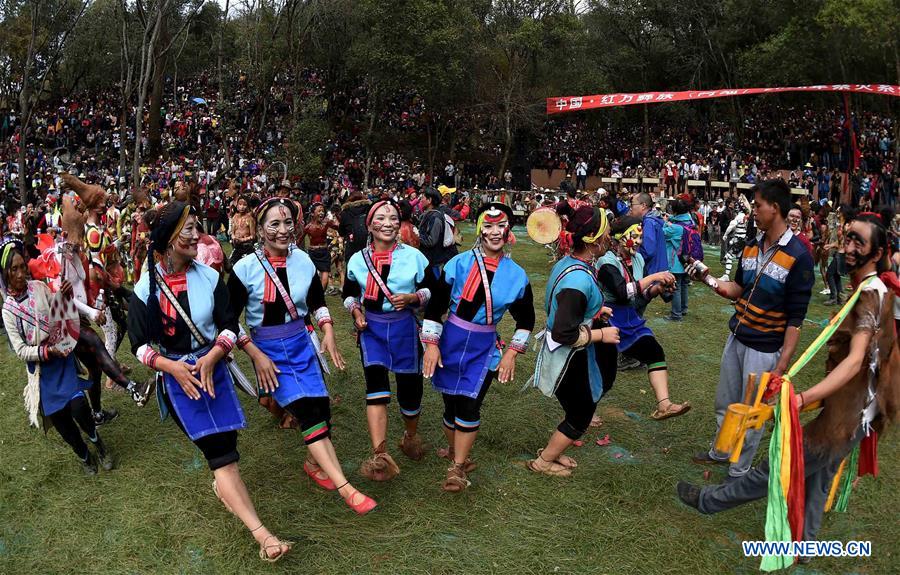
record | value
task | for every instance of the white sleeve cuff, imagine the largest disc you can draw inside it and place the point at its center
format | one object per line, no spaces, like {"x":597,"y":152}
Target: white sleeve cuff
{"x":431,"y":331}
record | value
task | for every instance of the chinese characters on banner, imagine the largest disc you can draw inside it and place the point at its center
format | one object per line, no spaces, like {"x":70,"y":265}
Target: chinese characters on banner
{"x":574,"y":103}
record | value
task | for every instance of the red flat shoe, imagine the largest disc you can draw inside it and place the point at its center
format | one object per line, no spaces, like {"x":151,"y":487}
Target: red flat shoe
{"x":367,"y":504}
{"x":327,"y":484}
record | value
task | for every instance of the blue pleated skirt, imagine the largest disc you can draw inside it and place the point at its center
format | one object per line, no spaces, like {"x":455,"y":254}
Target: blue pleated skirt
{"x":467,"y":350}
{"x":291,"y":349}
{"x":391,"y":340}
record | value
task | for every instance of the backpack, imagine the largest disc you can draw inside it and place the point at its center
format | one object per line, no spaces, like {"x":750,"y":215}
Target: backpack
{"x":359,"y":233}
{"x":448,"y":238}
{"x":691,"y":244}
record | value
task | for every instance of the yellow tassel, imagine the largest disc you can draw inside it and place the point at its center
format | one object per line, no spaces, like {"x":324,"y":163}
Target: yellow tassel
{"x":785,"y":429}
{"x":834,"y":485}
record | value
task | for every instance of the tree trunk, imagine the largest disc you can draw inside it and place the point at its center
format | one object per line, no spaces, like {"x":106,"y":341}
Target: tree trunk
{"x":23,"y":180}
{"x":372,"y":113}
{"x":25,"y":107}
{"x":148,"y":49}
{"x":154,"y":123}
{"x":221,"y":103}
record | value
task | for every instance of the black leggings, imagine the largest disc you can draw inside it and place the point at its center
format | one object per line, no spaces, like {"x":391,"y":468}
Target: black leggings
{"x":219,"y":449}
{"x":574,"y":395}
{"x":91,"y":352}
{"x":409,"y":390}
{"x":314,"y":415}
{"x":463,"y":413}
{"x":648,"y":351}
{"x":64,"y":420}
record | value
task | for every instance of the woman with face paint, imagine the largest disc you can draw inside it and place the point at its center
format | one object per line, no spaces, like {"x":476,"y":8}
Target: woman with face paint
{"x":462,"y":356}
{"x":621,"y":275}
{"x":384,"y":282}
{"x":181,"y":306}
{"x":54,"y":391}
{"x":278,"y":287}
{"x":567,"y":365}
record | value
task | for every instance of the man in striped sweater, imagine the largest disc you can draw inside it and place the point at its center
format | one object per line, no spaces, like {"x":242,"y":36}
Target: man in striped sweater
{"x":771,"y":292}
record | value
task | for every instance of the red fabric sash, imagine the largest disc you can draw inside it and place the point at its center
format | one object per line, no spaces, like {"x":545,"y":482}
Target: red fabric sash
{"x":271,"y":292}
{"x":177,"y":282}
{"x":379,"y":260}
{"x":868,"y":455}
{"x":473,"y":281}
{"x":796,"y":499}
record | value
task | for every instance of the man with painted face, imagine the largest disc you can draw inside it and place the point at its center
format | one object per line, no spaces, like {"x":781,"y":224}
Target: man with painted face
{"x":771,"y":291}
{"x":461,"y":355}
{"x":860,"y":393}
{"x":626,"y":289}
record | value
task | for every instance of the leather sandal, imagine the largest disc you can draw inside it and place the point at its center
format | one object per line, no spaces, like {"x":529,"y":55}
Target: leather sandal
{"x":381,"y":466}
{"x":558,"y":471}
{"x":572,"y":465}
{"x":456,"y":480}
{"x":447,"y":453}
{"x":264,"y":549}
{"x":674,"y":410}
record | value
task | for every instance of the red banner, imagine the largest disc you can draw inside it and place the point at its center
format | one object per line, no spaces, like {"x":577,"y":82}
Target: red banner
{"x":563,"y":104}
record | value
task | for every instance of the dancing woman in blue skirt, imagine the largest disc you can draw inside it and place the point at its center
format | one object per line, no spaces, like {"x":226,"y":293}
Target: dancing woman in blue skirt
{"x":197,"y":388}
{"x":278,"y":287}
{"x":385,"y":281}
{"x":463,"y":355}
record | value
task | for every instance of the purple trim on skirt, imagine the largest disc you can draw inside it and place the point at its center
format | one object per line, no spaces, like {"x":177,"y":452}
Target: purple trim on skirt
{"x":469,"y":326}
{"x":277,"y":331}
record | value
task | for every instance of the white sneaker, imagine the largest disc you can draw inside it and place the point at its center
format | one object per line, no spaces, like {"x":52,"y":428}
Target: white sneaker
{"x":724,"y":278}
{"x":825,"y":291}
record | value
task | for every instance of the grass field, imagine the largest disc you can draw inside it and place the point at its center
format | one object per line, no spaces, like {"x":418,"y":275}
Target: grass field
{"x":156,"y":512}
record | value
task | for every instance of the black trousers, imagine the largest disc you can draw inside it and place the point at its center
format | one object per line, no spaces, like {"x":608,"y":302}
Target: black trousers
{"x":574,"y":395}
{"x":409,"y":389}
{"x":314,"y":416}
{"x":219,"y":449}
{"x":67,"y":421}
{"x":462,"y":413}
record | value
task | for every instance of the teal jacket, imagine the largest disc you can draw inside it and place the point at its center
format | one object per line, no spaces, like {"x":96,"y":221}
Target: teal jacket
{"x":673,"y":232}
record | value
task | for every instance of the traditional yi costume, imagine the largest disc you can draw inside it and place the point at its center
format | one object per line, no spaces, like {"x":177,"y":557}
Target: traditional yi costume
{"x":567,"y":365}
{"x":277,"y":294}
{"x":35,"y":322}
{"x":390,"y":342}
{"x":620,"y":283}
{"x":154,"y":318}
{"x":468,"y":340}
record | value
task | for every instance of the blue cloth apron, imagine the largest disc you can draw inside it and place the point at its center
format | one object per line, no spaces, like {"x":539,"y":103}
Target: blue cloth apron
{"x":204,"y":416}
{"x":391,"y":340}
{"x":59,"y":383}
{"x":466,"y":352}
{"x":632,"y":326}
{"x":291,"y":350}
